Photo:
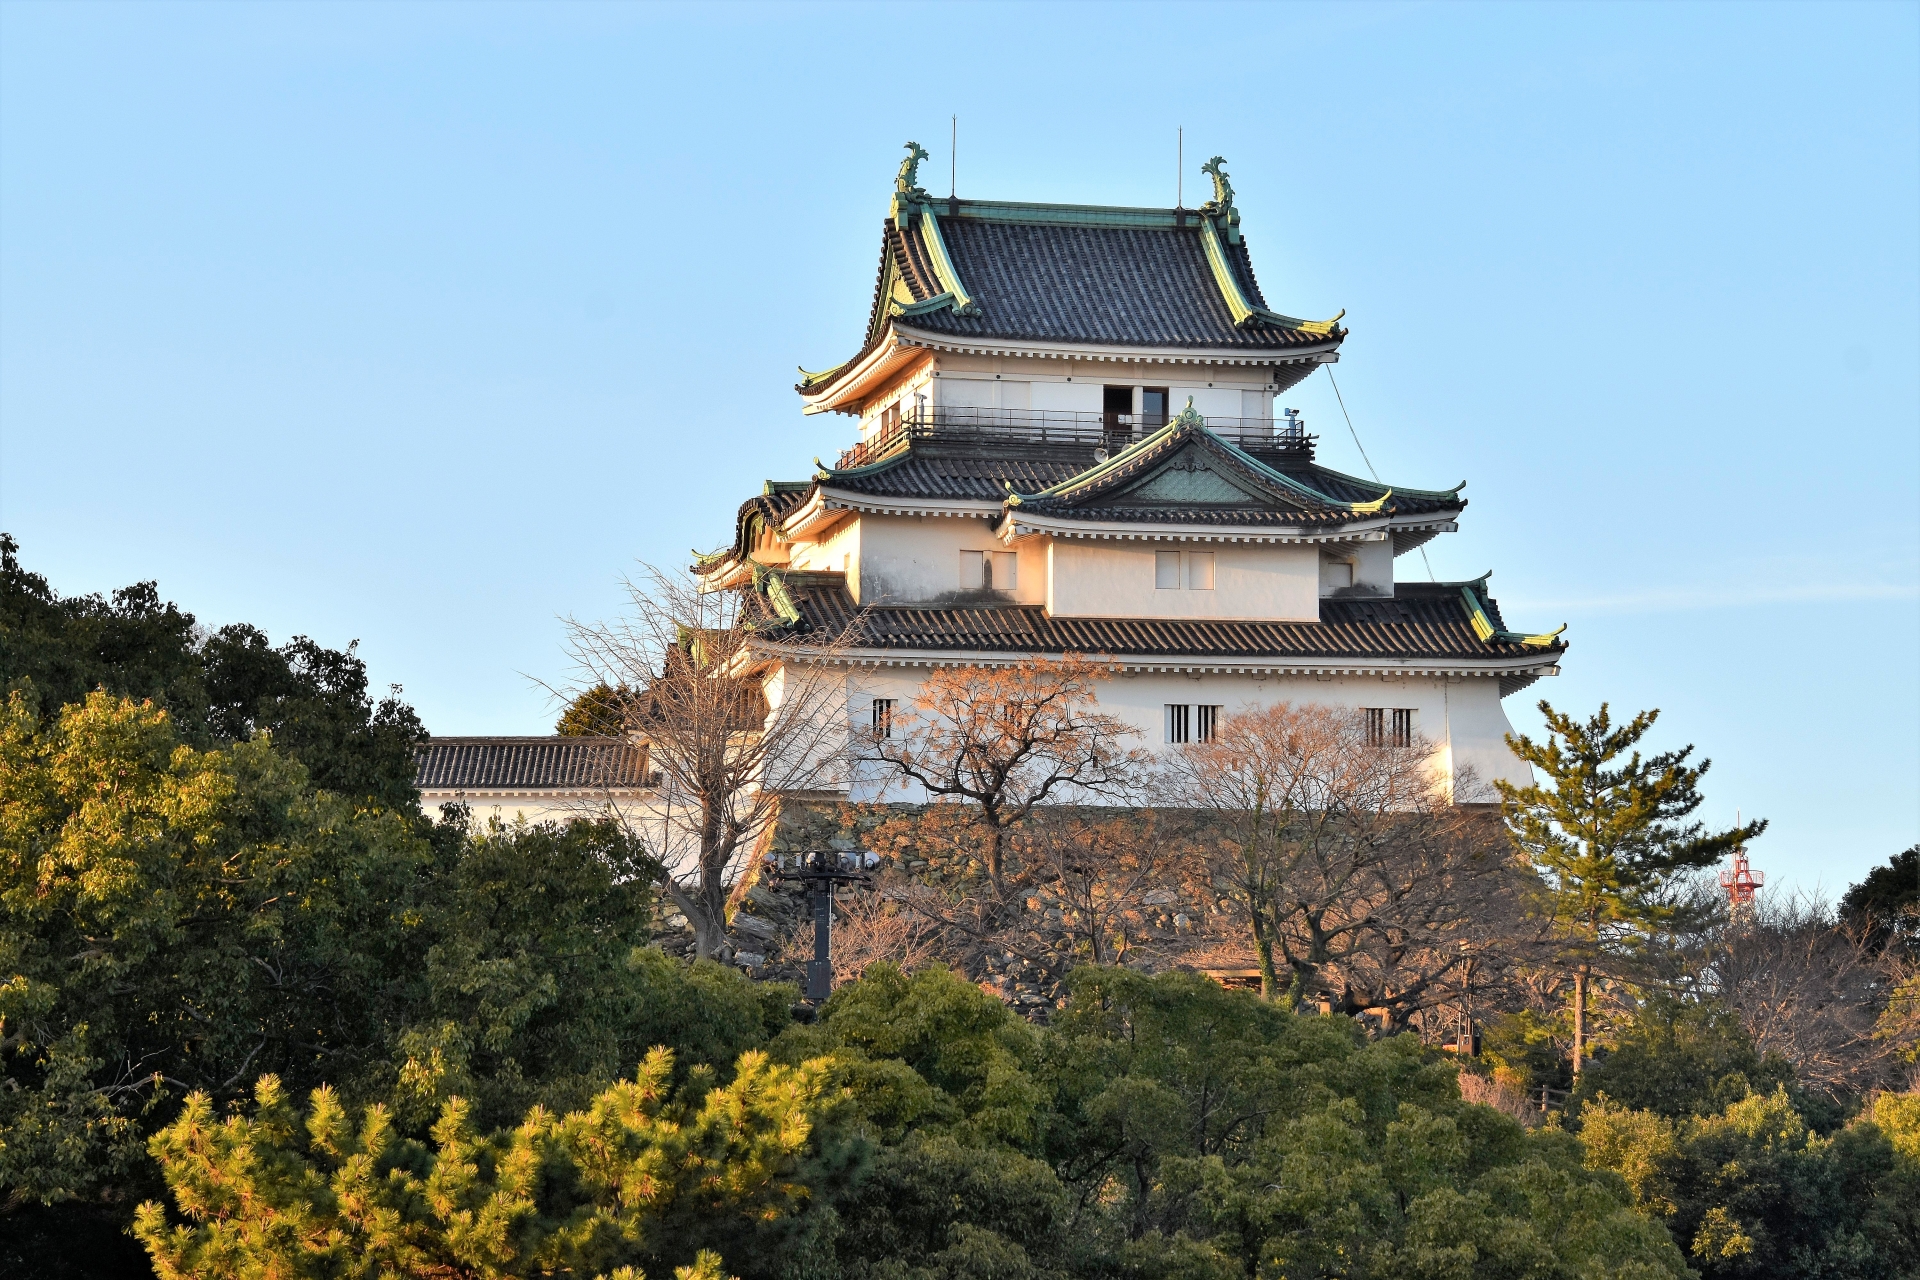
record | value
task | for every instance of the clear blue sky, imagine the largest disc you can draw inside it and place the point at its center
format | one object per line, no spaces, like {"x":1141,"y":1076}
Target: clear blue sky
{"x":422,"y":324}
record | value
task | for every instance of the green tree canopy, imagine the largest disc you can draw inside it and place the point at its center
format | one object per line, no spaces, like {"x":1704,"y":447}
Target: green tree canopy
{"x":177,"y":920}
{"x":1681,"y":1058}
{"x":1752,"y":1190}
{"x":633,"y":1180}
{"x":1165,"y":1126}
{"x":1885,"y":905}
{"x":1607,"y":833}
{"x":597,"y":712}
{"x":219,"y":688}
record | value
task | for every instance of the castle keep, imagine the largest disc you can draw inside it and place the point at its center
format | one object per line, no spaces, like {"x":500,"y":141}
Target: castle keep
{"x":1066,"y":440}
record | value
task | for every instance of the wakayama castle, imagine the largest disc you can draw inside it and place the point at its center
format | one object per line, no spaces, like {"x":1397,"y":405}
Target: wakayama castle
{"x":1067,"y":440}
{"x":1062,"y":437}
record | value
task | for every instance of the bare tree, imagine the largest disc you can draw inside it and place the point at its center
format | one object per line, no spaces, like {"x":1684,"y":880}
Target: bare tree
{"x":1010,"y":738}
{"x":738,"y":709}
{"x":1346,"y":859}
{"x":1076,"y":886}
{"x":1813,"y":991}
{"x":1096,"y":870}
{"x":871,"y":927}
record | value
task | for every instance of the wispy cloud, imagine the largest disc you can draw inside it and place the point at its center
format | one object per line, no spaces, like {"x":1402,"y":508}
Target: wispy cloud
{"x":1686,"y":599}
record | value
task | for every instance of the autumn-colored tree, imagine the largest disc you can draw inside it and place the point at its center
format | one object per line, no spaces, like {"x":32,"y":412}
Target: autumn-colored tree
{"x":1607,"y":834}
{"x":1007,"y":739}
{"x":737,"y":709}
{"x":1346,"y":858}
{"x":641,"y":1177}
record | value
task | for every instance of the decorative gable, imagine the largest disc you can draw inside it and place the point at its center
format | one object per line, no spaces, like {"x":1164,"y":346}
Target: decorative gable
{"x":1191,"y":477}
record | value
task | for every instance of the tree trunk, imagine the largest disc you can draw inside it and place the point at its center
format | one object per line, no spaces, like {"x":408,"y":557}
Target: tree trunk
{"x":1579,"y":1018}
{"x":1262,"y":943}
{"x":994,"y":844}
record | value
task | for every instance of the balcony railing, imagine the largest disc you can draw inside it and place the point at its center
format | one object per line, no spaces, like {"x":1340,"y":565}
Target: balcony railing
{"x":1062,"y":428}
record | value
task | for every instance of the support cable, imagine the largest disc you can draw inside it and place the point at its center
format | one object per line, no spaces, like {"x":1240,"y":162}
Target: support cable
{"x":1364,"y":458}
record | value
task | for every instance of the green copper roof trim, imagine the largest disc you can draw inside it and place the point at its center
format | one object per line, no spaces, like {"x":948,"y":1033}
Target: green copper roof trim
{"x":1242,"y":310}
{"x":772,"y":585}
{"x":943,"y":269}
{"x":1483,"y":622}
{"x":935,"y":303}
{"x":785,"y":486}
{"x":815,"y":379}
{"x":705,"y":560}
{"x":1073,"y":215}
{"x":1399,"y":489}
{"x":907,"y":191}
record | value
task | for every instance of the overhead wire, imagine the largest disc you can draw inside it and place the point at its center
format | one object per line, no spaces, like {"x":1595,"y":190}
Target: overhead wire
{"x":1363,"y":455}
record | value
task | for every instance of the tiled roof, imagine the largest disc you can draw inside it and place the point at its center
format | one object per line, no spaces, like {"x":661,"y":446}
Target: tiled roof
{"x":1421,"y":620}
{"x":929,"y":470}
{"x":925,"y":472}
{"x":530,"y":764}
{"x":1058,"y":282}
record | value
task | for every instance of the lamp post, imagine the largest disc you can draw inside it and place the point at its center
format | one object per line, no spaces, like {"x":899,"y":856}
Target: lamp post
{"x":821,"y":872}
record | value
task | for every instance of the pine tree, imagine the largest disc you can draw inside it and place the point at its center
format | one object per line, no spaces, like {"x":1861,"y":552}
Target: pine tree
{"x":1607,"y":834}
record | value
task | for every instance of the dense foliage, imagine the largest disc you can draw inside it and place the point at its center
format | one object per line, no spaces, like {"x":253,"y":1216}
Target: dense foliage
{"x":258,"y":1009}
{"x":218,"y":688}
{"x":641,"y":1173}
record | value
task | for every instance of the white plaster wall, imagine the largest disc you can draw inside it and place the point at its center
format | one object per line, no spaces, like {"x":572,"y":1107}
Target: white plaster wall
{"x":1115,"y":580}
{"x":916,"y":560}
{"x":838,"y":551}
{"x":969,"y":393}
{"x":509,"y":809}
{"x":1461,"y":717}
{"x":1022,"y":382}
{"x":1370,"y":565}
{"x":1212,"y":402}
{"x":1075,"y":397}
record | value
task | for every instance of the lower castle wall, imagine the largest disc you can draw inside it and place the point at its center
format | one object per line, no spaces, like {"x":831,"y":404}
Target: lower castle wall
{"x":1463,"y":717}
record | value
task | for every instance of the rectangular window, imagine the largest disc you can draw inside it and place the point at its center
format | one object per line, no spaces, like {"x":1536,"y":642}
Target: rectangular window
{"x":1153,"y":407}
{"x":883,"y":717}
{"x":989,"y":570}
{"x":1401,"y":734}
{"x":1390,"y":726}
{"x":1179,"y":718}
{"x":1166,"y":570}
{"x":1206,"y":722}
{"x":1001,"y":571}
{"x":1200,"y":571}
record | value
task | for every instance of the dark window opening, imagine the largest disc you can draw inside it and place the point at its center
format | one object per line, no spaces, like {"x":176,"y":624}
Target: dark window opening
{"x":1383,"y":731}
{"x":1207,"y":722}
{"x":883,"y":717}
{"x":1403,"y":727}
{"x":1116,"y":413}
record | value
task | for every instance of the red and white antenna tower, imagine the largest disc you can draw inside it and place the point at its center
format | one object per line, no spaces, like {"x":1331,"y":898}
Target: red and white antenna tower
{"x":1741,"y":881}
